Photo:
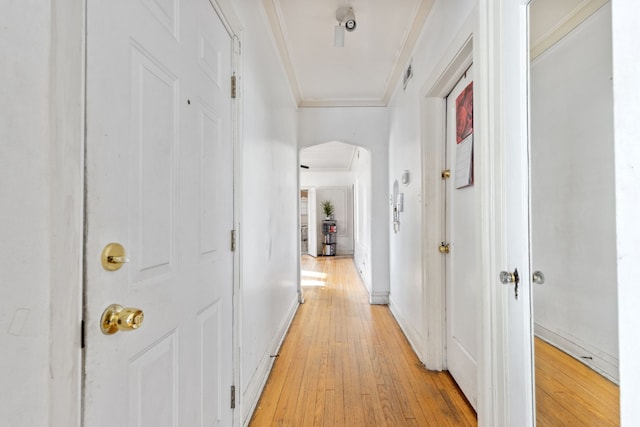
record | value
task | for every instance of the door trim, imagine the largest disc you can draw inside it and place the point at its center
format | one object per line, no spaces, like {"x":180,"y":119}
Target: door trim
{"x":67,"y":111}
{"x":226,"y":12}
{"x":502,"y":76}
{"x":433,"y":113}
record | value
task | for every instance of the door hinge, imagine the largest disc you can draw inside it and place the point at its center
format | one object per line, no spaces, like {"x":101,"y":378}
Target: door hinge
{"x":233,"y":86}
{"x":233,"y":240}
{"x":233,"y":397}
{"x":82,"y":334}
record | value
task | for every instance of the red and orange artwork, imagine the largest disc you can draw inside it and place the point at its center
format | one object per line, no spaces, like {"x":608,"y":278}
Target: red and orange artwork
{"x":464,"y":113}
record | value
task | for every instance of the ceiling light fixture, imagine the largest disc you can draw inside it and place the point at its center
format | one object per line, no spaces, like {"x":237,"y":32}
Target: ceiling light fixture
{"x":346,"y":21}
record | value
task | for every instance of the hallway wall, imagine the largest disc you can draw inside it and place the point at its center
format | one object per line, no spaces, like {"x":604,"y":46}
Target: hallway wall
{"x":338,"y":184}
{"x":572,"y":195}
{"x":268,"y":237}
{"x":406,"y":153}
{"x":25,"y":229}
{"x":362,"y":214}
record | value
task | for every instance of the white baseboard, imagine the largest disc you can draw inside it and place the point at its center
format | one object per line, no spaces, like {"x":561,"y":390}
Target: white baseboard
{"x":251,"y":395}
{"x":379,"y":298}
{"x":599,"y":361}
{"x":412,"y":335}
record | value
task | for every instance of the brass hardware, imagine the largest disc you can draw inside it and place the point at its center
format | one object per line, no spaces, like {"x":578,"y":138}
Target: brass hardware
{"x":538,"y":277}
{"x":113,"y":256}
{"x":507,"y":278}
{"x":117,"y":318}
{"x":234,"y":90}
{"x":446,"y":174}
{"x":233,"y":240}
{"x":444,"y":249}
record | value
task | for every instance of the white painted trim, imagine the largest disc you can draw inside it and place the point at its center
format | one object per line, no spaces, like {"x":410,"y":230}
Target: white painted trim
{"x":379,"y":298}
{"x":227,"y":15}
{"x":237,"y":141}
{"x":492,"y":390}
{"x":407,"y":46}
{"x":342,"y":103}
{"x":259,"y":379}
{"x":626,"y":107}
{"x":605,"y":364}
{"x":274,"y":18}
{"x":414,"y":338}
{"x":433,"y":122}
{"x":506,"y":382}
{"x":576,"y":17}
{"x":67,"y":89}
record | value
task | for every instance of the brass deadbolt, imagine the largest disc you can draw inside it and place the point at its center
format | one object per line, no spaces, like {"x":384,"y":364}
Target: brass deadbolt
{"x":113,"y":256}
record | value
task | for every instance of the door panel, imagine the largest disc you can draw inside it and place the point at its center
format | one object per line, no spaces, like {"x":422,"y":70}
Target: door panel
{"x":159,"y":181}
{"x":313,"y":222}
{"x":462,"y":293}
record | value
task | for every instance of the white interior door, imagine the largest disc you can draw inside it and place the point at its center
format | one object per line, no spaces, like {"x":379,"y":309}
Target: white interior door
{"x":159,"y":163}
{"x":462,"y":292}
{"x":313,"y":222}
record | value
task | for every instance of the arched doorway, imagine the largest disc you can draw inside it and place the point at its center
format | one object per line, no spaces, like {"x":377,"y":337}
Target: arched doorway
{"x":341,"y":174}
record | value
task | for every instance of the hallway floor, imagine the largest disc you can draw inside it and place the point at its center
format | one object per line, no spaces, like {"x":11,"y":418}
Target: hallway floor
{"x":345,"y":362}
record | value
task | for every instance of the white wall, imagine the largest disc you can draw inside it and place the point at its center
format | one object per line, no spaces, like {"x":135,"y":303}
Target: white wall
{"x":366,"y":127}
{"x":25,"y":229}
{"x":268,"y":240}
{"x":626,"y":108}
{"x":405,"y":153}
{"x":362,"y":214}
{"x":333,"y":186}
{"x":326,"y":179}
{"x":572,"y":195}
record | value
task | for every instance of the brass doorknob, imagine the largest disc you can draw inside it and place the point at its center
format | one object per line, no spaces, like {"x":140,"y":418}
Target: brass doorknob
{"x":117,"y":318}
{"x":444,"y":249}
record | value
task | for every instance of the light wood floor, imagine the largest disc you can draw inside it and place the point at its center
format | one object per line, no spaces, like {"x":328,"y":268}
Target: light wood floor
{"x":568,"y":393}
{"x":346,"y":363}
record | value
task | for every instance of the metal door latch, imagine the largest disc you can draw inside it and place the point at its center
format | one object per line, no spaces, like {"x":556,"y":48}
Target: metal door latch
{"x":507,"y":278}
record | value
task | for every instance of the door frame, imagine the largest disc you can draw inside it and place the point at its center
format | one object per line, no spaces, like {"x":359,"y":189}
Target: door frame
{"x":501,"y":122}
{"x":225,"y":11}
{"x":506,"y":394}
{"x":434,"y":115}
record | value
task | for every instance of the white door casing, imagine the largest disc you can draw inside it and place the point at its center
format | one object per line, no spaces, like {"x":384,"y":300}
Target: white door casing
{"x":505,"y":359}
{"x":160,"y":182}
{"x":462,"y":289}
{"x":313,"y":222}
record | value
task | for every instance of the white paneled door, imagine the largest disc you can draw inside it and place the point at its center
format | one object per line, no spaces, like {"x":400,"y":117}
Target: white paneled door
{"x":462,"y":279}
{"x":159,"y":162}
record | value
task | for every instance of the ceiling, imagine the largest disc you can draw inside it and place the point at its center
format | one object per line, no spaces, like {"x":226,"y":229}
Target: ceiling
{"x":328,"y":157}
{"x":366,"y":71}
{"x":362,"y":73}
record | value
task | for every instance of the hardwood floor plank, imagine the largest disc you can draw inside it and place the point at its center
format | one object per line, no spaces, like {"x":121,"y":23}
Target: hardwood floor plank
{"x":356,"y":367}
{"x":570,"y":393}
{"x":345,"y":362}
